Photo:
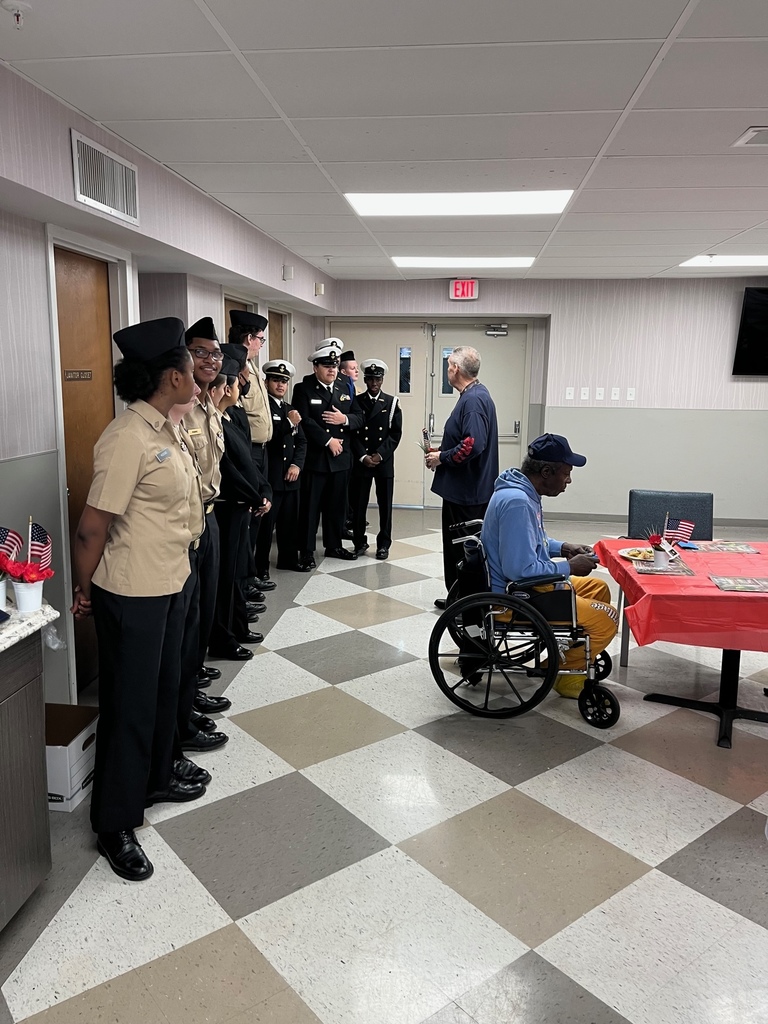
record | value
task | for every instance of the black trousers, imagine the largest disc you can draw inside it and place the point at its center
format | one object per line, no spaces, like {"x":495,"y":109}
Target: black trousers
{"x":232,"y":520}
{"x":190,"y":597}
{"x":208,"y":568}
{"x":452,"y":553}
{"x":326,"y":494}
{"x":283,"y":519}
{"x":360,"y":492}
{"x":259,"y":458}
{"x":139,"y":664}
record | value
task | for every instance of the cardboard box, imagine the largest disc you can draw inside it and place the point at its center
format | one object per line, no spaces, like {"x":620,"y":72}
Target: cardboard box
{"x":70,"y":751}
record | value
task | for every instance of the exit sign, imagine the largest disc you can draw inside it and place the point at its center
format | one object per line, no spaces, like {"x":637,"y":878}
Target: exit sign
{"x":463,"y":289}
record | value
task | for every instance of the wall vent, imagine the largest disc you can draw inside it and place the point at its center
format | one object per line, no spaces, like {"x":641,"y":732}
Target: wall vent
{"x":103,"y":180}
{"x":753,"y":137}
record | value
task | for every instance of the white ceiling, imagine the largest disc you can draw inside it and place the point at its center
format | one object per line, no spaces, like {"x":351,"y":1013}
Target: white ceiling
{"x":277,"y":109}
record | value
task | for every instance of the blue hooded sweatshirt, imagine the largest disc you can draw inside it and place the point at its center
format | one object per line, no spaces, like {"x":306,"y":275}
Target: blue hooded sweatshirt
{"x":516,"y":544}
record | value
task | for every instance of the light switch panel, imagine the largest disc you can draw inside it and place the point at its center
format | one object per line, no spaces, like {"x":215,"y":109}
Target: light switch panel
{"x":630,"y":394}
{"x":569,"y":392}
{"x":585,"y":394}
{"x":615,"y":394}
{"x":599,"y":394}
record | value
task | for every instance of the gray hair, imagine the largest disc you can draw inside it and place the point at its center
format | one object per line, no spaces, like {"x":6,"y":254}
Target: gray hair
{"x":534,"y":467}
{"x":467,"y":360}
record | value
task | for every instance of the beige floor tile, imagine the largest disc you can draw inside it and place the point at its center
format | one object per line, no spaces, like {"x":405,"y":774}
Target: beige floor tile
{"x":684,"y":743}
{"x":316,"y":726}
{"x":404,"y":549}
{"x":760,"y":677}
{"x":115,"y":1002}
{"x":208,"y":981}
{"x":284,"y":1008}
{"x":368,"y":609}
{"x":525,"y":866}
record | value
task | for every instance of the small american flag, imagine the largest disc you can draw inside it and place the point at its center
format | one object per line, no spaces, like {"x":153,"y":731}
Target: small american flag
{"x":11,"y":542}
{"x":678,"y":529}
{"x":40,"y":545}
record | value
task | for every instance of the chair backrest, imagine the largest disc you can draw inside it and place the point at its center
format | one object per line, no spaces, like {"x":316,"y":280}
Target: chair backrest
{"x":473,"y":574}
{"x":648,"y":509}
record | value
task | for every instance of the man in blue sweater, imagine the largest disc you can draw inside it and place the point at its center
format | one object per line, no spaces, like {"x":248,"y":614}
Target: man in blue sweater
{"x":467,"y":464}
{"x":517,"y":546}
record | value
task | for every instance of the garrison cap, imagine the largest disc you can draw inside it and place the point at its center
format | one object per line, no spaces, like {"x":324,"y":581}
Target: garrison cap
{"x":347,"y":357}
{"x":202,"y":329}
{"x":244,"y":318}
{"x":237,"y":352}
{"x":230,"y":367}
{"x":151,"y":338}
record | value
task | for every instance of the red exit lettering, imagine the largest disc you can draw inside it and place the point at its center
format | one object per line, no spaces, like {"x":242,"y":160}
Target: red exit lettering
{"x":463,"y":289}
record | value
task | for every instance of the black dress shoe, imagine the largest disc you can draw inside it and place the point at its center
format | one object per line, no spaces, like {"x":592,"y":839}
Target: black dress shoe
{"x":382,"y":553}
{"x":125,"y":855}
{"x":253,"y":594}
{"x":237,"y":653}
{"x":203,"y":741}
{"x":179,"y":791}
{"x":251,"y":638}
{"x":253,"y":606}
{"x":440,"y":602}
{"x":198,"y":721}
{"x":343,"y":553}
{"x":347,"y":534}
{"x":263,"y":583}
{"x":360,"y":549}
{"x":209,"y":673}
{"x":188,"y":771}
{"x":208,"y":705}
{"x":252,"y":617}
{"x":306,"y":563}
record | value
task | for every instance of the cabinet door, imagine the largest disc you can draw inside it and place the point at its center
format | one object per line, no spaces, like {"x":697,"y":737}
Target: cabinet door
{"x":25,"y":846}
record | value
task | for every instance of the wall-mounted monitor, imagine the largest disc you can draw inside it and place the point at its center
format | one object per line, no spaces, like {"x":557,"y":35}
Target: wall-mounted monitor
{"x":751,"y":359}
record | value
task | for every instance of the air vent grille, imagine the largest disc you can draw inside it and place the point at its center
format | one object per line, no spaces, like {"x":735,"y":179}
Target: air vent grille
{"x":104,"y":180}
{"x":753,"y":137}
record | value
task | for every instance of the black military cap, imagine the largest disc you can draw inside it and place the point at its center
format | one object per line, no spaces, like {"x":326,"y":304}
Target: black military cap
{"x":242,"y":318}
{"x":237,"y":352}
{"x":202,"y":329}
{"x":230,"y":367}
{"x":346,"y":357}
{"x":150,"y":339}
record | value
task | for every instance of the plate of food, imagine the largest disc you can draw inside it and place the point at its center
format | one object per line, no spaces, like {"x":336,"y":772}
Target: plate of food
{"x":637,"y":554}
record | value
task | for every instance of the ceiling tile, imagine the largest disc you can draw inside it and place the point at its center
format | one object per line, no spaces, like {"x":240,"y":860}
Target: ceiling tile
{"x":458,"y":175}
{"x":435,"y":80}
{"x":707,"y":222}
{"x":294,"y":23}
{"x":326,"y":239}
{"x":684,"y":132}
{"x":681,"y":236}
{"x":616,"y":252}
{"x":437,"y":242}
{"x":739,"y":169}
{"x":179,"y":141}
{"x":758,"y":235}
{"x":740,"y":248}
{"x":706,"y":74}
{"x":715,"y":19}
{"x":338,"y":262}
{"x":257,"y":204}
{"x":79,"y":28}
{"x":421,"y":226}
{"x":462,"y":247}
{"x":593,"y":273}
{"x":289,"y":223}
{"x":466,"y":137}
{"x":364,"y":273}
{"x":657,"y":200}
{"x":255,"y":177}
{"x":312,"y":252}
{"x":629,"y":260}
{"x":123,"y":88}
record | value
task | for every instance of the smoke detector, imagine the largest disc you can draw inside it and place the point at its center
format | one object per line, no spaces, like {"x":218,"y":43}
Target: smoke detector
{"x":18,"y":8}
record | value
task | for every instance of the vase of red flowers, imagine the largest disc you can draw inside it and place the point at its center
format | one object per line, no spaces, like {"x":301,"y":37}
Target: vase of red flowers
{"x":660,"y":556}
{"x":27,"y":579}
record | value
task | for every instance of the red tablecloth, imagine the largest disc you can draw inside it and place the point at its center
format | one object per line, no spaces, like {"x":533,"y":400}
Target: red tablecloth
{"x":692,"y":609}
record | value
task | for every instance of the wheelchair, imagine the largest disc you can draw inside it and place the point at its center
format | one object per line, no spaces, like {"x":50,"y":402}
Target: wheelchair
{"x":497,"y":655}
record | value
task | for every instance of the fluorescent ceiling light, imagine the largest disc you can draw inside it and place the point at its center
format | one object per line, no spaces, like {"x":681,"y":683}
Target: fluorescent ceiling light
{"x":727,"y":261}
{"x":457,"y":204}
{"x":462,"y":262}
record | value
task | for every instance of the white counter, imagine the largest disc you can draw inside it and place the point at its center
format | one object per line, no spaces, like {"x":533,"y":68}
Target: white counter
{"x":20,"y":626}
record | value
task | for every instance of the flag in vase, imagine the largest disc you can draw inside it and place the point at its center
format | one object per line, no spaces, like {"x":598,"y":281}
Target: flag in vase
{"x":11,"y":542}
{"x":40,"y":545}
{"x":678,"y":529}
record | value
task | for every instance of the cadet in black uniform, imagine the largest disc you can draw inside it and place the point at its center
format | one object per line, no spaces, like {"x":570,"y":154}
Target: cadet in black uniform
{"x":373,"y":450}
{"x":328,"y":414}
{"x":286,"y":452}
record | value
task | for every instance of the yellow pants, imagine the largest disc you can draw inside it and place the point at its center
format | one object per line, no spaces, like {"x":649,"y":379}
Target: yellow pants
{"x":596,"y":614}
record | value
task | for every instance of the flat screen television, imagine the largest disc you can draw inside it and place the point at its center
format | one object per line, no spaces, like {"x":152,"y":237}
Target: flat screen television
{"x":751,"y":359}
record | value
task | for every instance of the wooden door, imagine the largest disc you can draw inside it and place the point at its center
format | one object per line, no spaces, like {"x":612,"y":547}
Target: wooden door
{"x":275,"y":336}
{"x":85,"y":346}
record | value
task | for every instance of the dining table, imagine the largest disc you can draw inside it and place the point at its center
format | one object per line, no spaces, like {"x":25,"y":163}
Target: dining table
{"x":691,"y":609}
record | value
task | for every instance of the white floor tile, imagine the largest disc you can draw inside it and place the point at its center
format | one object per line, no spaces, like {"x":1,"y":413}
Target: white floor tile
{"x":239,"y":765}
{"x":421,"y":593}
{"x":628,"y":948}
{"x":427,"y":565}
{"x":406,"y":693}
{"x":749,"y":663}
{"x":299,"y":626}
{"x":267,"y":680}
{"x":432,"y":541}
{"x":334,"y":565}
{"x":327,"y":587}
{"x":109,"y":926}
{"x":761,"y":804}
{"x":635,"y":712}
{"x":410,"y":635}
{"x":386,"y":949}
{"x":725,"y":985}
{"x":639,"y":807}
{"x":404,"y":784}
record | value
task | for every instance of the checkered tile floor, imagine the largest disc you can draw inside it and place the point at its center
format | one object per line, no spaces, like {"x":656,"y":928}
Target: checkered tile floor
{"x":365,"y":855}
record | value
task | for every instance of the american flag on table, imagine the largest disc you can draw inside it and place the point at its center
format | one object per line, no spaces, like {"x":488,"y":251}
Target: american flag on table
{"x":678,"y":529}
{"x":11,"y":542}
{"x":40,"y":545}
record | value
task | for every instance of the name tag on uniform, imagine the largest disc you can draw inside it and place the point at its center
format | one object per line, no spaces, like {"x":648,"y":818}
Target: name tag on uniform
{"x":316,"y":401}
{"x":194,"y":430}
{"x":163,"y":455}
{"x":276,"y":416}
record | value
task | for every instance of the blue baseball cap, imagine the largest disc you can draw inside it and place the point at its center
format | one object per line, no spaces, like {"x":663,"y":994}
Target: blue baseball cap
{"x":554,"y":448}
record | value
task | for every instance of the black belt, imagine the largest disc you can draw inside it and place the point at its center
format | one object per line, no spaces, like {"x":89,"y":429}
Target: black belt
{"x":259,"y":444}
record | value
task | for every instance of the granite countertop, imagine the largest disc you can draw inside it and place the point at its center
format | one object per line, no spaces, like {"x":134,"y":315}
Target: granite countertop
{"x":20,"y":626}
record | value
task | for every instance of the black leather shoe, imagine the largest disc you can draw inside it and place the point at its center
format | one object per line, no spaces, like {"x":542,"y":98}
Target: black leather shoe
{"x":208,"y":705}
{"x":179,"y":791}
{"x":252,"y":617}
{"x":343,"y":553}
{"x":253,"y":594}
{"x":188,"y":771}
{"x":360,"y":549}
{"x":306,"y":563}
{"x":440,"y":602}
{"x":263,"y":583}
{"x":198,"y":721}
{"x":203,"y":741}
{"x":347,"y":534}
{"x":251,"y":638}
{"x":382,"y":553}
{"x":232,"y":654}
{"x":209,"y":673}
{"x":286,"y":566}
{"x":253,"y":606}
{"x":125,"y":855}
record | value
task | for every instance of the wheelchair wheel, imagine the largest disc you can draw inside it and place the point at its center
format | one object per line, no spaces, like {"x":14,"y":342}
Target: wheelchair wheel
{"x":603,"y":666}
{"x":493,"y":655}
{"x":599,"y":707}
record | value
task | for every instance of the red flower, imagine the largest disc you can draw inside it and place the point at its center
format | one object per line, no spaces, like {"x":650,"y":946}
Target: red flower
{"x":654,"y":539}
{"x":23,"y":572}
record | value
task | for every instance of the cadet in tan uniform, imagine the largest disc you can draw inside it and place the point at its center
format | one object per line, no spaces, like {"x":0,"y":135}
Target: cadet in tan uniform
{"x":144,"y":512}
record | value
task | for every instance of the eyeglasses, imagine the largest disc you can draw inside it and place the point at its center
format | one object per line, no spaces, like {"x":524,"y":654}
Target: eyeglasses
{"x":204,"y":353}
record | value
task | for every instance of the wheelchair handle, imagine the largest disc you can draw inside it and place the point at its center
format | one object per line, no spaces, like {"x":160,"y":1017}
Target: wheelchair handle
{"x":536,"y":581}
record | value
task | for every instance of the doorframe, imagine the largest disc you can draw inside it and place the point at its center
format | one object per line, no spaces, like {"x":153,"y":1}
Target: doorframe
{"x":123,"y":310}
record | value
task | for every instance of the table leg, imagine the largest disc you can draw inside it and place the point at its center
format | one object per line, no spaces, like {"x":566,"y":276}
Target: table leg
{"x":624,"y":652}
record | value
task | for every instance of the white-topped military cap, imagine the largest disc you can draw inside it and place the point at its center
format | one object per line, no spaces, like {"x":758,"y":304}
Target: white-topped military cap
{"x":279,"y":368}
{"x":374,"y":368}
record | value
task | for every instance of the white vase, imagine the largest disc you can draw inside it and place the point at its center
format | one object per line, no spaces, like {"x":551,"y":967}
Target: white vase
{"x":29,"y":596}
{"x":660,"y":559}
{"x":3,"y":595}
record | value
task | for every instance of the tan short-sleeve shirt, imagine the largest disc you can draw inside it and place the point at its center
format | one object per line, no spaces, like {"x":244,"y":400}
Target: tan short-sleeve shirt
{"x":205,"y":435}
{"x":150,"y":483}
{"x":256,"y":405}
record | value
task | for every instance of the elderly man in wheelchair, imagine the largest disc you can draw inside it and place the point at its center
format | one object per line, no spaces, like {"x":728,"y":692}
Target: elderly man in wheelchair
{"x":523,"y":615}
